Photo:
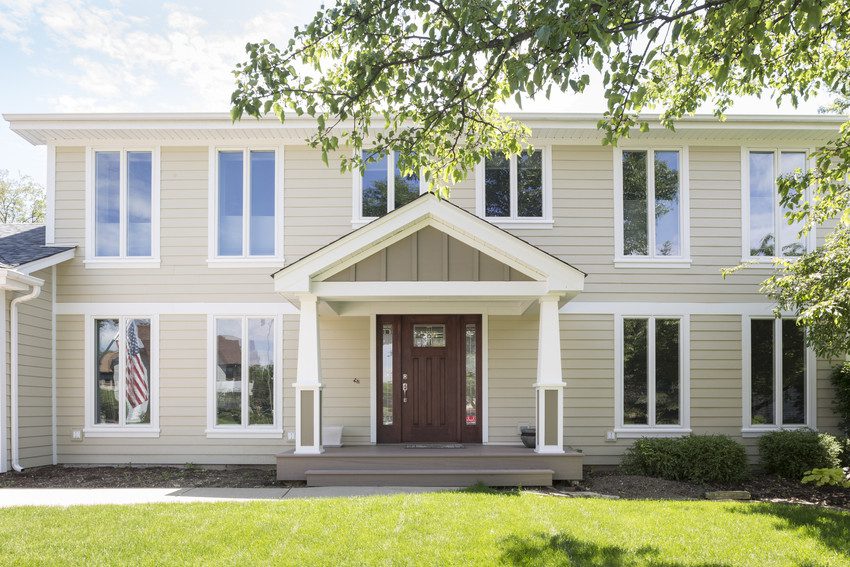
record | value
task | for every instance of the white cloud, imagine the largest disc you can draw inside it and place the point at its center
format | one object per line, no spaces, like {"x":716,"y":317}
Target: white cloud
{"x":111,"y":56}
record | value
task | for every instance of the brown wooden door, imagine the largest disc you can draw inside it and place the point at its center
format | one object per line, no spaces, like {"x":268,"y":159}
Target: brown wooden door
{"x":438,"y":359}
{"x":430,"y":411}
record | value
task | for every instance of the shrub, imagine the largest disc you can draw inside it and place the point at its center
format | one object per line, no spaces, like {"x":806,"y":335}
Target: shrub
{"x":844,"y":457}
{"x":792,"y":453}
{"x":841,"y":398}
{"x":827,"y":477}
{"x":714,"y":459}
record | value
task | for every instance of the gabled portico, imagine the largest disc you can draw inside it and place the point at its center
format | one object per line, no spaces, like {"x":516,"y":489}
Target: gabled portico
{"x":426,"y":258}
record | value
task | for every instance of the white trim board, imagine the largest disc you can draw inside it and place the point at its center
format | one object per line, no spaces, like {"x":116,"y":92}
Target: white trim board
{"x":278,"y":308}
{"x":655,"y":308}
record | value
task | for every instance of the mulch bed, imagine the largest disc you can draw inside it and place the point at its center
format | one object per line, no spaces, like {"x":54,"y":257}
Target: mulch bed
{"x":141,"y":477}
{"x":763,"y":488}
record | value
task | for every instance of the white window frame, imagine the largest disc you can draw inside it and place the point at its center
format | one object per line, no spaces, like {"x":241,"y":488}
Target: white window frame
{"x":122,"y":260}
{"x":778,"y":216}
{"x":273,"y":431}
{"x":92,"y":429}
{"x":515,"y":221}
{"x":652,"y":260}
{"x":632,"y":431}
{"x":246,"y":259}
{"x":748,"y":429}
{"x":357,"y":217}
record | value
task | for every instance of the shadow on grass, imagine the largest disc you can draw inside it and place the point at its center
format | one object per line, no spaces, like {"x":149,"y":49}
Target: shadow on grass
{"x":560,"y":549}
{"x":481,"y":488}
{"x":830,"y":527}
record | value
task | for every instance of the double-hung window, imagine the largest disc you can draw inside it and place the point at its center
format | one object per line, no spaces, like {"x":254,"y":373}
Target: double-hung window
{"x":246,"y":220}
{"x":121,"y":376}
{"x":767,"y":233}
{"x":516,"y":190}
{"x":652,"y":391}
{"x":123,"y":211}
{"x":245,"y":385}
{"x":651,"y":201}
{"x":381,"y":188}
{"x":778,"y":379}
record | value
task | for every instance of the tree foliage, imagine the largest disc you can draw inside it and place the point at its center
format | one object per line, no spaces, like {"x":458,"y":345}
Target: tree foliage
{"x":21,"y":199}
{"x":425,"y":78}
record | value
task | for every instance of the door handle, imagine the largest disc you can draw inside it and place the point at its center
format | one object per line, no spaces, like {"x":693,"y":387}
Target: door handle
{"x":404,"y":392}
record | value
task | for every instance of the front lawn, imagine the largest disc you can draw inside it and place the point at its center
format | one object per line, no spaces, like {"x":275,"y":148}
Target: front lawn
{"x":469,"y":528}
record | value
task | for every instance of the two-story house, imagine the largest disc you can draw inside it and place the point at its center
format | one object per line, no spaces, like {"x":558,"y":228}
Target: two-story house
{"x":215,"y":294}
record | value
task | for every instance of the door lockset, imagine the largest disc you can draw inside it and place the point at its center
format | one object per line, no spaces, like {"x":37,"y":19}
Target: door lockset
{"x":404,"y":392}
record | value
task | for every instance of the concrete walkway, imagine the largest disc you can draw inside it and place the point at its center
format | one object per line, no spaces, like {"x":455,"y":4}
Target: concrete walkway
{"x":90,"y":496}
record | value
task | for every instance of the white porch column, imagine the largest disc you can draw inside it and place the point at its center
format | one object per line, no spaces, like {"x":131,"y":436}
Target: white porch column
{"x":549,"y":388}
{"x":308,"y":386}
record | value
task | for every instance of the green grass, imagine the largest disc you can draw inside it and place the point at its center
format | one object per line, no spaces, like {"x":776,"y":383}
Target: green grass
{"x":469,"y":528}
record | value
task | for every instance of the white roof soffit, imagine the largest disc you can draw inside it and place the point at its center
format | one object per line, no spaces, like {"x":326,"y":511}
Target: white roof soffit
{"x":203,"y":128}
{"x":549,"y":274}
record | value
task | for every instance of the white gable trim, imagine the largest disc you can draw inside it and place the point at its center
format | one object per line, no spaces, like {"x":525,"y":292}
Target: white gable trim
{"x":428,"y":210}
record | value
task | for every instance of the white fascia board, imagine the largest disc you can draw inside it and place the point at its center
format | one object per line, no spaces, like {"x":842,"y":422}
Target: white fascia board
{"x":37,"y":265}
{"x":447,"y":218}
{"x":389,"y":290}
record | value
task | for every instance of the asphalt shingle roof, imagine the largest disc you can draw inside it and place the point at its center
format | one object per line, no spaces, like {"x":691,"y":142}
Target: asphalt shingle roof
{"x":24,"y":243}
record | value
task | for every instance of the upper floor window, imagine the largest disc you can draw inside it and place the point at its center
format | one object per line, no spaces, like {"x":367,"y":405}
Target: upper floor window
{"x":124,"y":205}
{"x":767,"y":233}
{"x":776,"y":375}
{"x":652,"y":377}
{"x":381,"y":188}
{"x":515,"y":189}
{"x":247,"y":212}
{"x":121,"y":379}
{"x":652,"y":206}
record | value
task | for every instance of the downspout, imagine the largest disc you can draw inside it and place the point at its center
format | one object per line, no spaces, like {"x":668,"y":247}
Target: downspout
{"x":36,"y":290}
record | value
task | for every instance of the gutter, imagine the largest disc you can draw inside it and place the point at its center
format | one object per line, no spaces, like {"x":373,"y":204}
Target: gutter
{"x":36,"y":291}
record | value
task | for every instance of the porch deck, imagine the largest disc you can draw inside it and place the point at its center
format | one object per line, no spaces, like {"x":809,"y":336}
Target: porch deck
{"x":399,"y":465}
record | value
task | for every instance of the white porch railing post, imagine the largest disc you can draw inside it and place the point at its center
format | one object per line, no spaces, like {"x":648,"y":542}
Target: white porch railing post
{"x":549,"y":388}
{"x":308,"y":383}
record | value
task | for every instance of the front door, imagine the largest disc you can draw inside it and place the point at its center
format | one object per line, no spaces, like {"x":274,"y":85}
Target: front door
{"x":429,"y":376}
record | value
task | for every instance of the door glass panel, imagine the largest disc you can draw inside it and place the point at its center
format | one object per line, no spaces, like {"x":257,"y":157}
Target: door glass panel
{"x":471,"y":376}
{"x":108,"y":368}
{"x":429,"y":336}
{"x":387,"y":378}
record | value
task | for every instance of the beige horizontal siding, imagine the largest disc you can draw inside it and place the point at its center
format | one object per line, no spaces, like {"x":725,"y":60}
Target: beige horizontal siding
{"x":318,"y":210}
{"x":35,"y":432}
{"x":183,"y":395}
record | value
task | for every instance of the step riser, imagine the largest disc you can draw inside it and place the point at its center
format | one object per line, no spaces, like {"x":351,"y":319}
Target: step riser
{"x":528,"y":479}
{"x":294,"y":468}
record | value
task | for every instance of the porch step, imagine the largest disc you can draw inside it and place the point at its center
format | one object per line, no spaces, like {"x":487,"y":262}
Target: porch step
{"x":436,"y":477}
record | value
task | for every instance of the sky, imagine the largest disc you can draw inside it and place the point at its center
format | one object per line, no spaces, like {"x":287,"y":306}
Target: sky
{"x":145,"y":56}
